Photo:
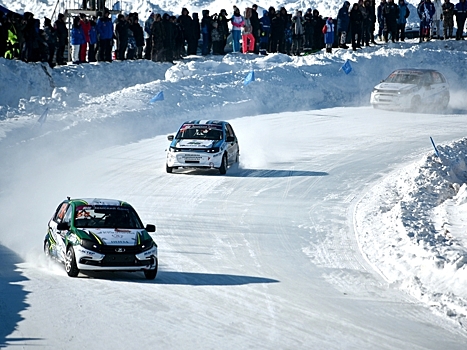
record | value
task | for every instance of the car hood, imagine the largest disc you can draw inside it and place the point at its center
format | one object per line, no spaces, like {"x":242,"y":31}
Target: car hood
{"x":193,"y":144}
{"x":395,"y":86}
{"x":110,"y":236}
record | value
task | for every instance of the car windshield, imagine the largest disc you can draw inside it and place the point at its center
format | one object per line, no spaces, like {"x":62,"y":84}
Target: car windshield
{"x":404,"y":78}
{"x":106,"y":216}
{"x":200,"y":132}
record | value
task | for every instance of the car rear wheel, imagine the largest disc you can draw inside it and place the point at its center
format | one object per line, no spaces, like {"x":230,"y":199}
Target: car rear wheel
{"x":151,"y":274}
{"x":169,"y":169}
{"x":223,"y":167}
{"x":70,"y":263}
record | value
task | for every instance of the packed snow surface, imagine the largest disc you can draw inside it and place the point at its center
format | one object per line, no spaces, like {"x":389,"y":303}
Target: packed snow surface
{"x":340,"y":228}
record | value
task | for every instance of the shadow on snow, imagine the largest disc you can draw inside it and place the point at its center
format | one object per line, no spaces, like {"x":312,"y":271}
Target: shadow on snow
{"x":235,"y":171}
{"x":13,"y":296}
{"x":178,"y":278}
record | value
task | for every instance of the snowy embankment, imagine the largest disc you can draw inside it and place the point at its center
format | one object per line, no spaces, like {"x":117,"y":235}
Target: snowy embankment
{"x":412,"y":229}
{"x":409,"y":226}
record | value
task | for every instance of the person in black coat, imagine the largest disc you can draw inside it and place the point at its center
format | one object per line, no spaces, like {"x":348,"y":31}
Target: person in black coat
{"x":62,"y":38}
{"x":317,"y":24}
{"x":138,"y":34}
{"x":256,"y":26}
{"x":121,"y":33}
{"x":158,"y":37}
{"x":3,"y":34}
{"x":277,"y":39}
{"x":197,"y":33}
{"x":390,"y":14}
{"x":186,"y":25}
{"x":223,"y":28}
{"x":169,"y":38}
{"x":356,"y":21}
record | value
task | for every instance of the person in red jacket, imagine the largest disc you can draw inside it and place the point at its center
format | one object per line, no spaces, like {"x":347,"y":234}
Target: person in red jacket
{"x":86,"y":25}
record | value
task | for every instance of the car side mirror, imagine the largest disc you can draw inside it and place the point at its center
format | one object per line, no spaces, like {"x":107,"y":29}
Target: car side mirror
{"x":150,"y":228}
{"x":230,"y":139}
{"x":170,"y":137}
{"x":63,"y":226}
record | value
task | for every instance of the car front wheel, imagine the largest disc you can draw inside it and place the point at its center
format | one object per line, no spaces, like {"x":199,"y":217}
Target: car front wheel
{"x":70,"y":263}
{"x":445,"y":101}
{"x":169,"y":169}
{"x":151,"y":274}
{"x":47,"y":248}
{"x":223,"y":167}
{"x":416,"y":104}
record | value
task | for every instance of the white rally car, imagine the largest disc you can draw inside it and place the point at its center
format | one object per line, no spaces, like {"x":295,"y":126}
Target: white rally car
{"x":412,"y":89}
{"x":208,"y":144}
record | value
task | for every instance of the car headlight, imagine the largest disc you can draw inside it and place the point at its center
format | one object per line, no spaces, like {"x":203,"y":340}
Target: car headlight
{"x":213,"y":150}
{"x":146,"y":245}
{"x":90,"y":245}
{"x":174,"y":149}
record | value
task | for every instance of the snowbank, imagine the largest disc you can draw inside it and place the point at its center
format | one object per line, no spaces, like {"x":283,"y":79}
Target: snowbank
{"x":411,"y":228}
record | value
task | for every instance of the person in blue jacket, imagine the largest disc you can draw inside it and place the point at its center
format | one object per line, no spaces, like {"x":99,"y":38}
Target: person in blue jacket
{"x":343,"y":22}
{"x":105,"y":32}
{"x":460,"y":11}
{"x":425,"y":10}
{"x":265,"y":25}
{"x":404,"y":12}
{"x":77,"y":39}
{"x":92,"y":40}
{"x":328,"y":31}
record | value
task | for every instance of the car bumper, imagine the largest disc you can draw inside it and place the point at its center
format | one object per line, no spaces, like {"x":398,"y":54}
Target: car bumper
{"x":194,"y":159}
{"x":390,"y":100}
{"x":89,"y":260}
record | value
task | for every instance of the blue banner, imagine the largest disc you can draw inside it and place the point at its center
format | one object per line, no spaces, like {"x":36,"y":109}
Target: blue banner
{"x":249,"y":78}
{"x":347,"y":68}
{"x":158,"y":97}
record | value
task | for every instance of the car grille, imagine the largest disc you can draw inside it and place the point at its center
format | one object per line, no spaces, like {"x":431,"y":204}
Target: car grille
{"x":118,"y":260}
{"x":128,"y":249}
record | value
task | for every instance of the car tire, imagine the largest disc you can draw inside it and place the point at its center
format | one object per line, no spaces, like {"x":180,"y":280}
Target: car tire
{"x":416,"y":104}
{"x":169,"y":169}
{"x":223,"y":167}
{"x":47,"y":248}
{"x":237,"y":157}
{"x":70,"y":263}
{"x":445,"y":101}
{"x":151,"y":274}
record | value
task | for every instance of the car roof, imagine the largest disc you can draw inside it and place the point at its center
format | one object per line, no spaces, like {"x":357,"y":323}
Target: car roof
{"x":99,"y":201}
{"x":205,"y":122}
{"x":418,"y":70}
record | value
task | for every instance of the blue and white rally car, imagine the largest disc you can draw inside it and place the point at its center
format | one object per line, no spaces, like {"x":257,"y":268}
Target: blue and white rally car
{"x":203,"y":144}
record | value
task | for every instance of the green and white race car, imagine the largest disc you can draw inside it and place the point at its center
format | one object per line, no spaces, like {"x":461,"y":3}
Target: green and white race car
{"x":100,"y":235}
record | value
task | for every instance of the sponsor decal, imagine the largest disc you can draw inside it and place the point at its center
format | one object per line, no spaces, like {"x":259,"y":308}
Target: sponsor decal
{"x":119,"y":250}
{"x":87,"y":252}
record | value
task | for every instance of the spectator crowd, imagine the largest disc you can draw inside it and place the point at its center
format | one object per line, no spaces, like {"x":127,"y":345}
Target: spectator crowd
{"x":166,"y":38}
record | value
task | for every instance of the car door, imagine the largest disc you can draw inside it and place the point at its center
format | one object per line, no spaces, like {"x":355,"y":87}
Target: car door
{"x":62,"y":215}
{"x":232,"y":146}
{"x":430,"y":88}
{"x":440,"y":86}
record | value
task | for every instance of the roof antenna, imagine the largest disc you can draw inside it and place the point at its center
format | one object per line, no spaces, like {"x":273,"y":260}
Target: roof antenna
{"x":68,"y":198}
